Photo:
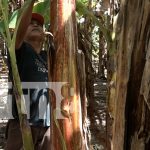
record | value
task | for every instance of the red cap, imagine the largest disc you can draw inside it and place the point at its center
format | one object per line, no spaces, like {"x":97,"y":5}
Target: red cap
{"x":38,"y":17}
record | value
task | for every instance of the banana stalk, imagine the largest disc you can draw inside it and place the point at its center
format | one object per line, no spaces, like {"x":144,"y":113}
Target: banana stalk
{"x":17,"y":88}
{"x":66,"y":133}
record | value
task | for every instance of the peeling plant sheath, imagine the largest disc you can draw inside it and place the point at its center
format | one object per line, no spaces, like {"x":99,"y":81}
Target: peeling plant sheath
{"x":65,"y":70}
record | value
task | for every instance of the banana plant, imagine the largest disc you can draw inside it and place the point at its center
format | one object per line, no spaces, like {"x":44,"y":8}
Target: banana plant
{"x":13,"y":22}
{"x":10,"y":39}
{"x":43,"y":7}
{"x":67,"y":132}
{"x":82,"y":10}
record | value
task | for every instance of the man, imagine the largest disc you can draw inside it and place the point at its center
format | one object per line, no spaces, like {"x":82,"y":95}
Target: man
{"x":32,"y":67}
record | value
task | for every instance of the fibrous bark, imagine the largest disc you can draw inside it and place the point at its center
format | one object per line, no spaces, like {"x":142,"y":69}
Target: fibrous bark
{"x":131,"y":129}
{"x":66,"y":133}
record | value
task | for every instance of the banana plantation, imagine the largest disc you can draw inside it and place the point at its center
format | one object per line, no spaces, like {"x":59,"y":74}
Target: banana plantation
{"x":98,"y":58}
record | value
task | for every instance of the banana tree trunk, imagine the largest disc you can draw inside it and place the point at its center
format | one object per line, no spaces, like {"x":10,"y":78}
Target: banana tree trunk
{"x":131,"y":129}
{"x":66,"y":134}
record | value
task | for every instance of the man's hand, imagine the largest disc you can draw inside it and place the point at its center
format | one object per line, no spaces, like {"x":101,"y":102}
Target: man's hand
{"x":48,"y":33}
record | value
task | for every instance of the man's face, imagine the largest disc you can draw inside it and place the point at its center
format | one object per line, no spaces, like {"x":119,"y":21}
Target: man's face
{"x":35,"y":30}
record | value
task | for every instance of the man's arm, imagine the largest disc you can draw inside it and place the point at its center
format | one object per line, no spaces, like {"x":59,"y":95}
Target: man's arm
{"x":25,"y":21}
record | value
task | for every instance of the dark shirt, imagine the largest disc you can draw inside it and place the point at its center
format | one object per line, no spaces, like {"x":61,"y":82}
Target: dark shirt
{"x":32,"y":67}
